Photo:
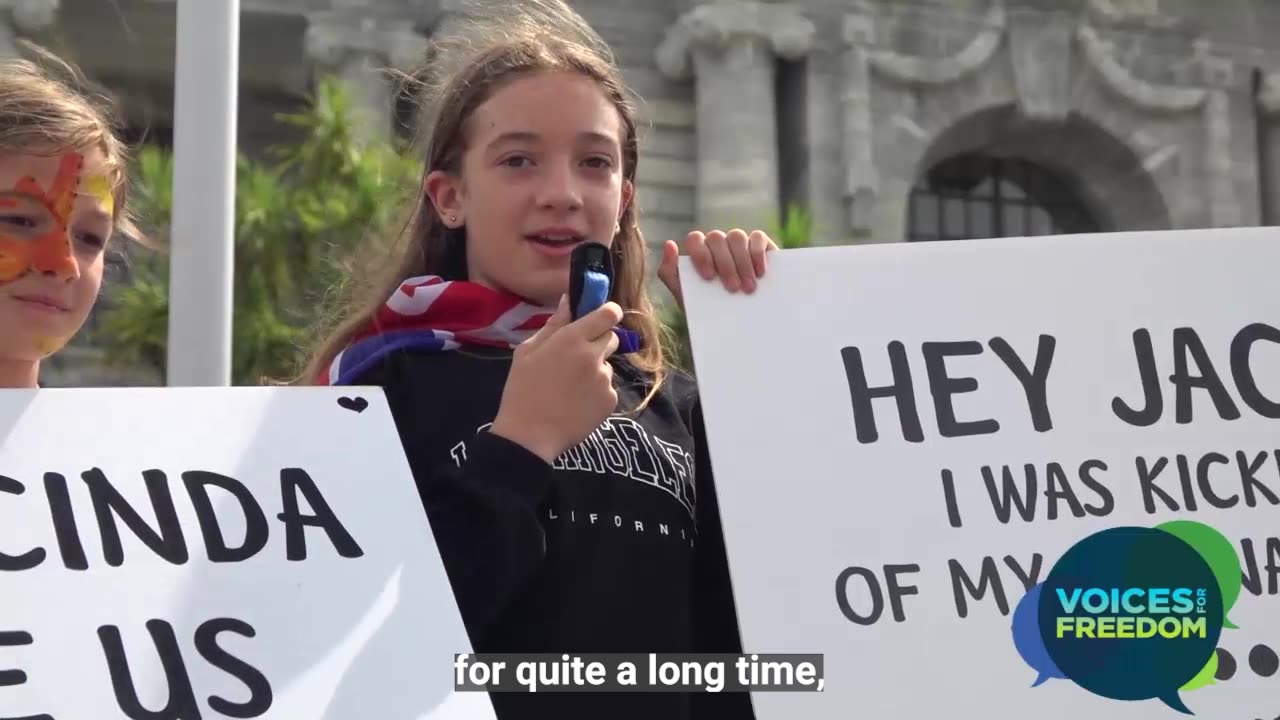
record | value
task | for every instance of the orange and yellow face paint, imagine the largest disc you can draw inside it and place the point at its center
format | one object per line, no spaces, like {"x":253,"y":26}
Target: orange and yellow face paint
{"x":12,"y":261}
{"x":48,"y":247}
{"x":98,"y":187}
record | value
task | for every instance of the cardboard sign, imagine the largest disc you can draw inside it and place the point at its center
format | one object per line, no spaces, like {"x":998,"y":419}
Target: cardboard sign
{"x":908,"y":437}
{"x":211,"y":553}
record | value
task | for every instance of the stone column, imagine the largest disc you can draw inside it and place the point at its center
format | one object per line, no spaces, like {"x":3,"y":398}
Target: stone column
{"x":359,"y":51}
{"x":1269,"y":154}
{"x":24,"y":17}
{"x":730,"y":48}
{"x":861,"y":176}
{"x":1227,"y":117}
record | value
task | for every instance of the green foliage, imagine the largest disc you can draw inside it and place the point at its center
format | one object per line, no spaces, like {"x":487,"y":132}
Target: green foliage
{"x":796,"y":230}
{"x":297,"y":211}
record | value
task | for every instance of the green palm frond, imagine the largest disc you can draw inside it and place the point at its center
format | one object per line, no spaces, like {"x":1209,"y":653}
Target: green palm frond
{"x":297,"y":208}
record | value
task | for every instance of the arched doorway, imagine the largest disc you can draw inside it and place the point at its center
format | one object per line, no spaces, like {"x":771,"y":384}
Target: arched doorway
{"x":977,"y":195}
{"x":994,"y":173}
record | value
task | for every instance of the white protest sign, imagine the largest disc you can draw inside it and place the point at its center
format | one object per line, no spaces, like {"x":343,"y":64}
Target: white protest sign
{"x":218,"y":553}
{"x":896,"y":532}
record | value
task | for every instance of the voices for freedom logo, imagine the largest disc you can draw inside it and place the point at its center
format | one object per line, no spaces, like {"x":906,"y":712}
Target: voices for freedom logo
{"x":1133,"y":613}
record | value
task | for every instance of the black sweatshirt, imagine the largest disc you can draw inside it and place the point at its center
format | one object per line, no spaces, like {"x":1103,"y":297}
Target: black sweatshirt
{"x":616,"y":547}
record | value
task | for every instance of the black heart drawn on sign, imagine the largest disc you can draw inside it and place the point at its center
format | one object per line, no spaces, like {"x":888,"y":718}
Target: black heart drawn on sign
{"x":357,"y":404}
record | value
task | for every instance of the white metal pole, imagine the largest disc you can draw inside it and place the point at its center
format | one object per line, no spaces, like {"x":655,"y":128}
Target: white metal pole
{"x":201,"y":278}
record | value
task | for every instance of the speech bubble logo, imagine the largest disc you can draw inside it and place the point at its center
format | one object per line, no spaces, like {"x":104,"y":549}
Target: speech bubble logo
{"x":1206,"y":677}
{"x":1219,"y":553}
{"x":1174,"y":701}
{"x":1131,"y":613}
{"x":1027,"y":640}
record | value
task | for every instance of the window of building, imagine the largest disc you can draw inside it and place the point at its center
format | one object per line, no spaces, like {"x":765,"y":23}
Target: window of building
{"x":981,"y":196}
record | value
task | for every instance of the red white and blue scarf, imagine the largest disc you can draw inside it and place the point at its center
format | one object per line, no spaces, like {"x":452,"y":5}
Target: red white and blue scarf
{"x":431,"y":314}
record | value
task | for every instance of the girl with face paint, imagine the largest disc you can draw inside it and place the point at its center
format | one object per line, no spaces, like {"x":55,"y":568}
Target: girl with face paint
{"x":63,"y":184}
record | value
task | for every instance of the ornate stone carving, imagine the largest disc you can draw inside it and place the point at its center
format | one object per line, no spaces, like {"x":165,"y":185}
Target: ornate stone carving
{"x":1040,"y":51}
{"x":1161,"y":156}
{"x":333,"y":38}
{"x":717,"y":27}
{"x":1216,"y":75}
{"x":1145,"y":13}
{"x":861,"y":58}
{"x":1162,"y":98}
{"x":1212,"y":69}
{"x":936,"y":71}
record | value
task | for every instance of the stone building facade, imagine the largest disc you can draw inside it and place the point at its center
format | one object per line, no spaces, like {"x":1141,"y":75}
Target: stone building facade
{"x":888,"y":120}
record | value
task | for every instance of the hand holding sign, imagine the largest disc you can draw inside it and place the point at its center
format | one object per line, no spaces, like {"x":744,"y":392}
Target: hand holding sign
{"x":996,"y":415}
{"x":736,"y":258}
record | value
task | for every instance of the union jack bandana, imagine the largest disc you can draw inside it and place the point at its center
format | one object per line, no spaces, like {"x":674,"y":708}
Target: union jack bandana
{"x":429,"y":313}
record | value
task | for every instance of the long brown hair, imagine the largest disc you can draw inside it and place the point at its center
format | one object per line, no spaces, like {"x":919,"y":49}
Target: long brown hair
{"x":460,"y":72}
{"x":47,"y":105}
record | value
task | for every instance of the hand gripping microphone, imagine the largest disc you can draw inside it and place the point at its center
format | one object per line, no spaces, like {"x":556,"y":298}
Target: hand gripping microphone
{"x":590,"y":277}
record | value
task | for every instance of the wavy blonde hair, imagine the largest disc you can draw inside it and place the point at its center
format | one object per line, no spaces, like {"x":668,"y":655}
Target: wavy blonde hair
{"x":48,"y":106}
{"x":460,"y":72}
